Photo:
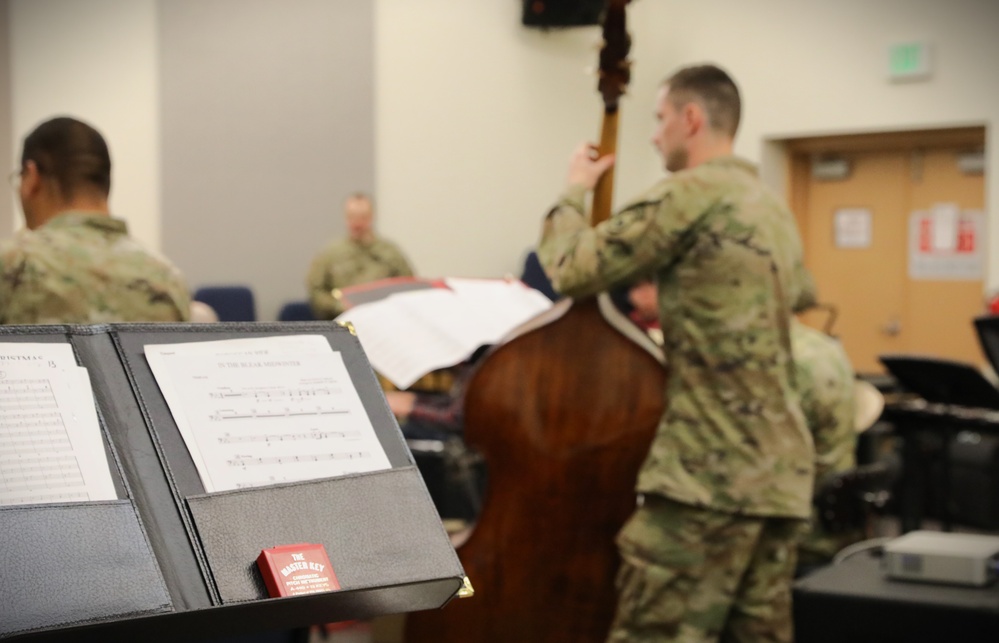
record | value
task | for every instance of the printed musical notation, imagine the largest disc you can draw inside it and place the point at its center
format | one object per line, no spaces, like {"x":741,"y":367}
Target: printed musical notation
{"x":27,"y":394}
{"x":51,"y":449}
{"x":282,"y":437}
{"x":16,"y":442}
{"x":40,"y":498}
{"x":41,"y":472}
{"x":30,"y":420}
{"x":249,"y":461}
{"x":295,"y":394}
{"x":257,"y":401}
{"x":234,"y":414}
{"x":261,"y":482}
{"x":27,"y":431}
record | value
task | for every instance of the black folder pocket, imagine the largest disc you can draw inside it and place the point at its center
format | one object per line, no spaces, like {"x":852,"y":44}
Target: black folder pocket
{"x":71,"y":564}
{"x":379,"y":529}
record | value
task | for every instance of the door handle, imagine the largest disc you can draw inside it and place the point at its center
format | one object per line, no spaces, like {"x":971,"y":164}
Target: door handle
{"x":892,"y":328}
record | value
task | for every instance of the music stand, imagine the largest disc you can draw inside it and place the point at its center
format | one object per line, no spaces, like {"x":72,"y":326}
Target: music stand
{"x":987,"y":327}
{"x":382,"y":288}
{"x":942,"y":381}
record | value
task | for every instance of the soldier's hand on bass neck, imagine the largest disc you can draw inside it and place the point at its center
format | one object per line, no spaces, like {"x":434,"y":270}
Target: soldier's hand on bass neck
{"x":586,"y":167}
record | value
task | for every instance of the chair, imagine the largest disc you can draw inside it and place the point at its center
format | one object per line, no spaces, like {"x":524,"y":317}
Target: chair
{"x":295,"y":311}
{"x":534,"y":276}
{"x":231,"y":303}
{"x":847,"y":499}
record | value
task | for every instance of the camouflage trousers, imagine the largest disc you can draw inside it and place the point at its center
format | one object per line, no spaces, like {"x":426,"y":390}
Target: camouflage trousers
{"x":691,"y":574}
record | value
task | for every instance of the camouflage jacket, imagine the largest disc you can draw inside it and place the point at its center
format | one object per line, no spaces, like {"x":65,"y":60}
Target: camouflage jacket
{"x":824,"y":379}
{"x":349,"y":263}
{"x":83,"y":268}
{"x":825,"y":383}
{"x":728,"y":261}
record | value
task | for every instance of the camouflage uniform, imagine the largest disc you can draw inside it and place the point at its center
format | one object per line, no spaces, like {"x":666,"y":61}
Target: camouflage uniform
{"x":825,"y":381}
{"x":349,"y":263}
{"x":732,"y":446}
{"x":83,"y":268}
{"x":684,"y":575}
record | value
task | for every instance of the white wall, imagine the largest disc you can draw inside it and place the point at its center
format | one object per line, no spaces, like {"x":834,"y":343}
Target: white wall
{"x":95,"y":60}
{"x":476,"y":115}
{"x":267,"y":126}
{"x":8,"y":198}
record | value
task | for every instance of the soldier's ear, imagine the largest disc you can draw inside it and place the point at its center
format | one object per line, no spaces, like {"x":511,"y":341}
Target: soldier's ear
{"x":31,"y":179}
{"x":694,"y":117}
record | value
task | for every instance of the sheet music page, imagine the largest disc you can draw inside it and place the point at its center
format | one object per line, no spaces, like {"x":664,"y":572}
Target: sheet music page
{"x":501,"y":304}
{"x":400,"y":346}
{"x":407,"y":335}
{"x":261,"y":411}
{"x":51,"y":446}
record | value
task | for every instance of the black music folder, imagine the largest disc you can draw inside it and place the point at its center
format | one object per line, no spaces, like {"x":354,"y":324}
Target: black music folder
{"x":942,"y":381}
{"x":987,"y":328}
{"x":168,"y":561}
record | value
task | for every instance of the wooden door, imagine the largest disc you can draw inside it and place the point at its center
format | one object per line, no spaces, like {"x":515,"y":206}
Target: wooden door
{"x":939,"y":313}
{"x":865,"y":278}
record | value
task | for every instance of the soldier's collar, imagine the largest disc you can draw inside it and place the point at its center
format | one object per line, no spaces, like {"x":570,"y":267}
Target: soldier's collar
{"x":99,"y":220}
{"x":733,"y":161}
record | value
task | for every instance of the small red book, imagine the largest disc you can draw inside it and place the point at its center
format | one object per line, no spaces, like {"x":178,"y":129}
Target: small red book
{"x":293,"y":570}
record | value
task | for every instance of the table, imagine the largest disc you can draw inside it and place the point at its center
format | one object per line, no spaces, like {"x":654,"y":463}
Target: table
{"x":854,"y":602}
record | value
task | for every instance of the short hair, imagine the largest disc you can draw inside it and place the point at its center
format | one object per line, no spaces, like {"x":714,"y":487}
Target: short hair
{"x":361,"y":196}
{"x":72,"y":153}
{"x":716,"y":91}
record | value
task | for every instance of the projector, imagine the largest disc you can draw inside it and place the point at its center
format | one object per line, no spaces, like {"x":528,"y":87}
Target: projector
{"x":937,"y":557}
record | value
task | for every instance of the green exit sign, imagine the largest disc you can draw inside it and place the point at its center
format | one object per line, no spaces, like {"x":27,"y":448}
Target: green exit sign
{"x":909,"y":61}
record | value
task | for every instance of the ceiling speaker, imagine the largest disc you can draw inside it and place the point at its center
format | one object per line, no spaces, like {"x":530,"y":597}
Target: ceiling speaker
{"x":553,"y":14}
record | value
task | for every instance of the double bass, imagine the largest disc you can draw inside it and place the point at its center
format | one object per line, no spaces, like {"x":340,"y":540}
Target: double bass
{"x":563,"y":414}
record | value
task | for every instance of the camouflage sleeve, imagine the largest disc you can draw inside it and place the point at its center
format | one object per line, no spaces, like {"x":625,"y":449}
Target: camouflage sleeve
{"x":320,"y":284}
{"x":182,"y":297}
{"x":645,"y":235}
{"x":804,"y":295}
{"x":834,"y":435}
{"x":16,"y":277}
{"x":5,"y":281}
{"x":826,"y":384}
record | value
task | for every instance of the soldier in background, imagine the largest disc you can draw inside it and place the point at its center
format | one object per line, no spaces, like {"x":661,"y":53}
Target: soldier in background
{"x":75,"y":263}
{"x":826,"y":383}
{"x":726,"y":488}
{"x":362,"y":257}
